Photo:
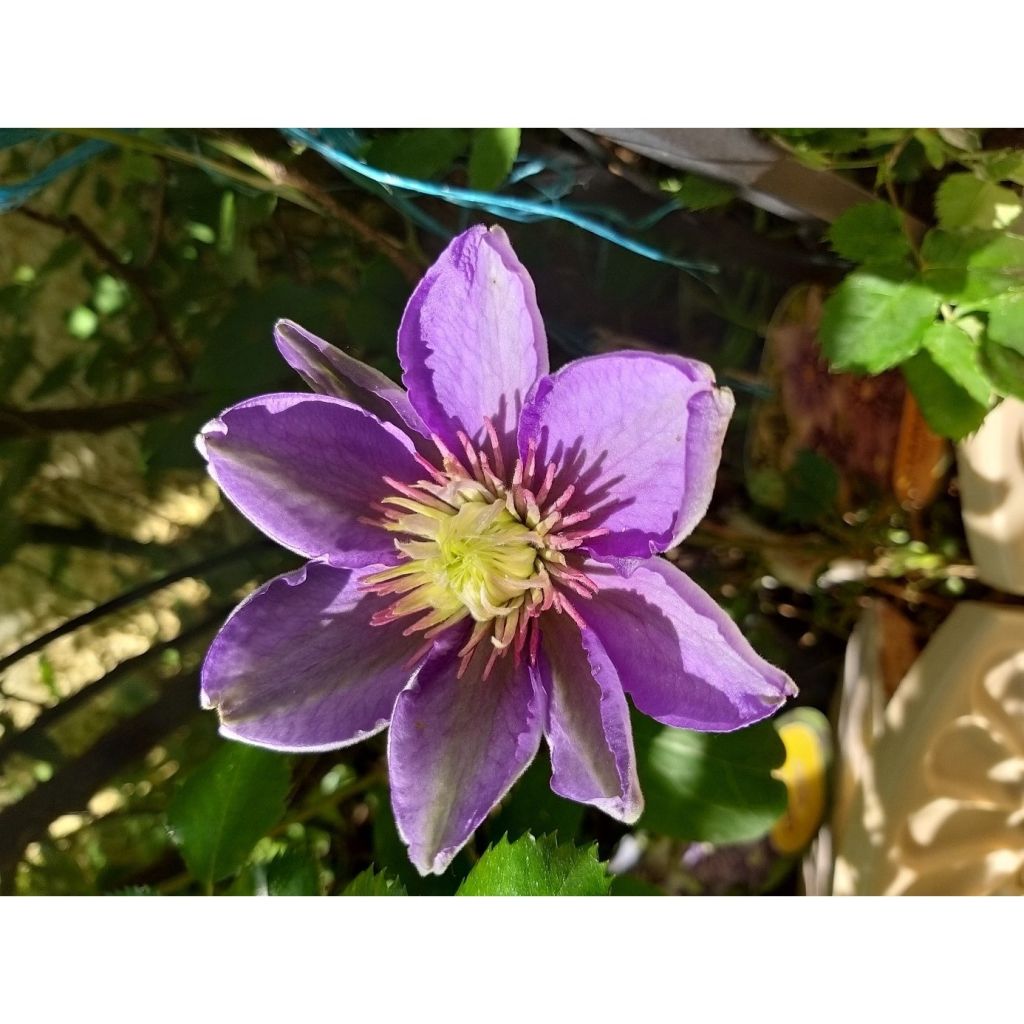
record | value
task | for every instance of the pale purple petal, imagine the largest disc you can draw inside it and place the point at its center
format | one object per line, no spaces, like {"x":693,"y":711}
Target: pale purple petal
{"x":588,"y":729}
{"x":455,"y":748}
{"x":471,"y":340}
{"x":639,"y":436}
{"x":298,"y":667}
{"x":679,"y":656}
{"x":329,"y":371}
{"x":306,"y":468}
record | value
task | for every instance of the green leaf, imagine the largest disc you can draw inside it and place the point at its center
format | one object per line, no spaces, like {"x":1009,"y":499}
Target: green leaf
{"x":418,"y":152}
{"x":1006,"y":319}
{"x":946,"y":405}
{"x":693,"y":192}
{"x":628,"y":885}
{"x":944,"y":258}
{"x":1005,"y":165}
{"x":966,"y":139}
{"x":491,"y":157}
{"x":537,"y":867}
{"x":934,"y":146}
{"x":714,"y":787}
{"x":965,"y":202}
{"x":955,"y":352}
{"x":871,"y":323}
{"x":293,"y":873}
{"x":371,"y":883}
{"x":870,"y":233}
{"x":996,"y":266}
{"x":812,"y":484}
{"x":225,"y":807}
{"x":1005,"y":366}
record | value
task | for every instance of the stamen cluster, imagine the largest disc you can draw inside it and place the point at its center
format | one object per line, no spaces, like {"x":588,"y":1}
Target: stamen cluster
{"x":478,"y":542}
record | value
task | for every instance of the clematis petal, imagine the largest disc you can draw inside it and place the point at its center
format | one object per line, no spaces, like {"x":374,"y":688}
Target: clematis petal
{"x":306,"y":468}
{"x":329,"y":371}
{"x":455,"y":748}
{"x":679,"y":656}
{"x":588,"y":729}
{"x":296,"y":667}
{"x":639,"y":436}
{"x":471,"y":340}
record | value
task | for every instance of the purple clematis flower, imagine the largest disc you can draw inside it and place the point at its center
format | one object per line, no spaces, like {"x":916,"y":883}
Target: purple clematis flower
{"x":481,"y":546}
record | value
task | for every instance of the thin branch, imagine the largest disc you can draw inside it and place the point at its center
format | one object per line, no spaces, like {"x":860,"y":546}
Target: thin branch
{"x":286,"y":177}
{"x":87,"y":538}
{"x":131,"y":597}
{"x":74,"y":225}
{"x":97,"y":419}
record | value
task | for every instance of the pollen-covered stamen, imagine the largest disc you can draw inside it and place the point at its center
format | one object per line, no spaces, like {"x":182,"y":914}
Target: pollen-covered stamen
{"x":479,"y":543}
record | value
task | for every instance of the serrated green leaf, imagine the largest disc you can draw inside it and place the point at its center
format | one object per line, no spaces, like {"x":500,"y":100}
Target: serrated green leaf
{"x":973,"y":266}
{"x":225,"y":807}
{"x":870,"y":233}
{"x":714,"y":787}
{"x":947,"y":406}
{"x":872,"y":323}
{"x":1005,"y":367}
{"x":1005,"y":165}
{"x":965,"y":202}
{"x":371,"y":883}
{"x":537,"y":867}
{"x":1006,"y":319}
{"x":957,"y":353}
{"x":491,"y":156}
{"x":944,"y":257}
{"x":418,"y":152}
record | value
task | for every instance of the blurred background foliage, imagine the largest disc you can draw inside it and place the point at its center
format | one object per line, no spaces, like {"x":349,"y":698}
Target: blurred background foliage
{"x":140,"y":276}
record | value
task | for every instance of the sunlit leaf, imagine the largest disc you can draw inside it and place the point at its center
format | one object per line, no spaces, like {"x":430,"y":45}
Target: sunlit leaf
{"x":871,"y":323}
{"x":716,"y":787}
{"x":966,"y":202}
{"x":491,"y":156}
{"x":537,"y":867}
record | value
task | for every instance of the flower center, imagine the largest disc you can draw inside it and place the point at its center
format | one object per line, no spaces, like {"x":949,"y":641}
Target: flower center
{"x":479,"y":543}
{"x":484,"y":556}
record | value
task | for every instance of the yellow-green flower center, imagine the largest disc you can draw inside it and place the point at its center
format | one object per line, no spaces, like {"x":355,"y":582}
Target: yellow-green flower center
{"x":483,"y":557}
{"x":477,"y":544}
